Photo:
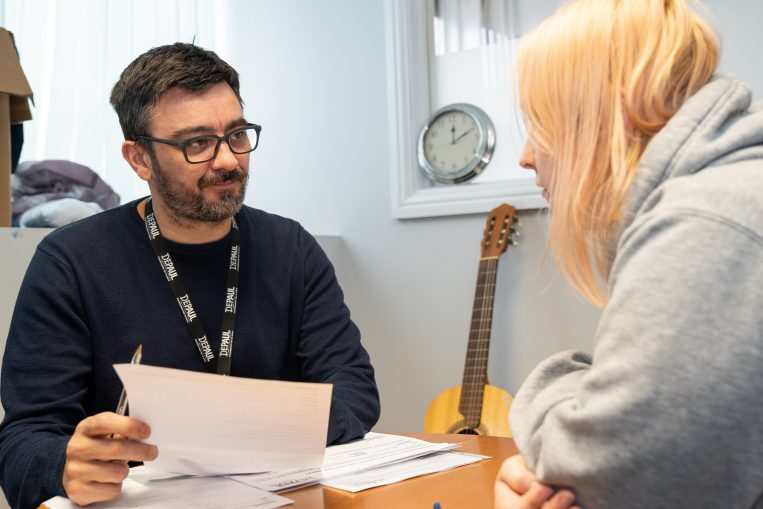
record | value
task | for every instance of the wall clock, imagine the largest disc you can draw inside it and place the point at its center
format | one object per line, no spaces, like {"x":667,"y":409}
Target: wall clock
{"x":456,"y":143}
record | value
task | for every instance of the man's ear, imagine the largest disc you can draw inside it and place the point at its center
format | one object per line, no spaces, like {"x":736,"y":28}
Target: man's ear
{"x":138,"y":159}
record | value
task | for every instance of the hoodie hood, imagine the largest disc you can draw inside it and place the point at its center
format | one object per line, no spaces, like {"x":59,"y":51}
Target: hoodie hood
{"x":718,"y":125}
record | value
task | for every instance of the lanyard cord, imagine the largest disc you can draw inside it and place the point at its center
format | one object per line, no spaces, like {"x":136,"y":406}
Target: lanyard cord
{"x":222,"y":364}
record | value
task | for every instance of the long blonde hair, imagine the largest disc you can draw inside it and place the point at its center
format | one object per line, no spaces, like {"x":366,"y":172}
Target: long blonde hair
{"x":597,"y":80}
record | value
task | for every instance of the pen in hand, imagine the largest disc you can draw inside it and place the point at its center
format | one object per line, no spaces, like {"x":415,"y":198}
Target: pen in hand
{"x":122,"y":405}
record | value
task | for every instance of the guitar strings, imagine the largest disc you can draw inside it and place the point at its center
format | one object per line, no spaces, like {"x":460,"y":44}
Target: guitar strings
{"x":486,"y":287}
{"x":475,"y":371}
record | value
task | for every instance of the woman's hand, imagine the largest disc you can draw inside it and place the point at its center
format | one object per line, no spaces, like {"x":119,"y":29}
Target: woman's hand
{"x":518,"y":488}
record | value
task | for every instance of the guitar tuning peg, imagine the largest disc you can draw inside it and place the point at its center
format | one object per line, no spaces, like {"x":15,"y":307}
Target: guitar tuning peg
{"x":513,"y":242}
{"x":515,"y":233}
{"x":517,"y":223}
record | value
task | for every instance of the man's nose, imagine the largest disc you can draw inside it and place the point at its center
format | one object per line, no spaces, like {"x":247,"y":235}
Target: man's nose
{"x":226,"y":159}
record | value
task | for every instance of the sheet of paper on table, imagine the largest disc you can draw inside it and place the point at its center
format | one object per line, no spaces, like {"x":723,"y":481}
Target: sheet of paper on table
{"x":207,"y":424}
{"x":356,"y":459}
{"x":396,"y":472}
{"x":182,"y":493}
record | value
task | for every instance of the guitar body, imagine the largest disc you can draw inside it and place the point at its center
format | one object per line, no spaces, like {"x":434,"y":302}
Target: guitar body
{"x":443,"y":416}
{"x":475,"y":407}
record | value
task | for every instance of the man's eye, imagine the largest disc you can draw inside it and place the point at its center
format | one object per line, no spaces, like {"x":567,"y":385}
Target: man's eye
{"x":200,"y":144}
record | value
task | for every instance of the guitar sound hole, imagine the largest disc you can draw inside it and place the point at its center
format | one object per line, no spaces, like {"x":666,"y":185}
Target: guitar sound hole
{"x":468,"y":432}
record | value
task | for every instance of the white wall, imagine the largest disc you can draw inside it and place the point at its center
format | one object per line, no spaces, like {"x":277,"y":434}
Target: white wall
{"x":738,"y":23}
{"x":313,"y":74}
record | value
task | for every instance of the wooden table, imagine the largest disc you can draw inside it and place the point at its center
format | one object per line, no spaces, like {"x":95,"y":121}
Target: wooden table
{"x":467,"y":487}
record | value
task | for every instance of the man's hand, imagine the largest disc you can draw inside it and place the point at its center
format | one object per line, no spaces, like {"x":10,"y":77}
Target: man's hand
{"x":518,"y":488}
{"x":96,"y":464}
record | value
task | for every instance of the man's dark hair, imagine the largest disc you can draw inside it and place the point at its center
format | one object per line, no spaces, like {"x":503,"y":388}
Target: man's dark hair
{"x":157,"y":70}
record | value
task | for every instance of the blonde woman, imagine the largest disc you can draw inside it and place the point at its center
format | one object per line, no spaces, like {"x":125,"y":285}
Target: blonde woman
{"x":652,"y":164}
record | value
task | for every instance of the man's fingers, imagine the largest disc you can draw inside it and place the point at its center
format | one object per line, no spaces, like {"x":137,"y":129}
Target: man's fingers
{"x":96,"y":463}
{"x":92,"y":439}
{"x":97,"y":471}
{"x":88,"y":492}
{"x":109,"y":423}
{"x":109,"y":449}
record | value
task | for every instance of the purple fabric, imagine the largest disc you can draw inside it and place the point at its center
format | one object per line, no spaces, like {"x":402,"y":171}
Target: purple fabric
{"x":37,"y":182}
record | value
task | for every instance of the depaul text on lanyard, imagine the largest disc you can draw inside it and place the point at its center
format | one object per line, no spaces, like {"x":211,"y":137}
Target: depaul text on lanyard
{"x":222,"y":364}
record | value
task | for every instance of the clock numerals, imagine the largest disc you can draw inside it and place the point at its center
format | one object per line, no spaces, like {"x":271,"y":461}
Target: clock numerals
{"x":456,"y":144}
{"x":454,"y":152}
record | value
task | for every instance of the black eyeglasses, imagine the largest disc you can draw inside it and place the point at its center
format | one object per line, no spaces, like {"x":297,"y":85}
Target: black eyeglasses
{"x":201,"y":149}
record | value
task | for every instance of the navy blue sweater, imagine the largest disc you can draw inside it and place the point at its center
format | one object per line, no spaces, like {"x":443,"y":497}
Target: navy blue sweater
{"x":94,"y":290}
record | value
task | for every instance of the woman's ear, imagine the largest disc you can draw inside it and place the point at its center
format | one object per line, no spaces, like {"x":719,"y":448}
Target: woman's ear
{"x":138,"y":159}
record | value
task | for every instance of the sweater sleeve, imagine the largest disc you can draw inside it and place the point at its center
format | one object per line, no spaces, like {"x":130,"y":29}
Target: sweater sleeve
{"x":330,"y":349}
{"x":44,"y":382}
{"x":669,"y":407}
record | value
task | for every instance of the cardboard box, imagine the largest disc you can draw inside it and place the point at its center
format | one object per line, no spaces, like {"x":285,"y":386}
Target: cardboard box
{"x":14,"y":108}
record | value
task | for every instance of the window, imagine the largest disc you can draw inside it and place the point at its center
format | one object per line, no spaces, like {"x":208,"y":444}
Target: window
{"x":445,"y":51}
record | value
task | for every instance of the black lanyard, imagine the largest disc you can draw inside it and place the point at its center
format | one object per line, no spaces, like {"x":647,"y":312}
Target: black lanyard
{"x":222,"y":364}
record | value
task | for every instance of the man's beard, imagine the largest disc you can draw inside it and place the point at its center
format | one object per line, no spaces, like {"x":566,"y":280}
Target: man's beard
{"x":191,"y":204}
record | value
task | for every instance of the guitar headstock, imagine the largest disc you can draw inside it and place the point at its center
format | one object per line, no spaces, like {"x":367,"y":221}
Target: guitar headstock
{"x":498,"y":231}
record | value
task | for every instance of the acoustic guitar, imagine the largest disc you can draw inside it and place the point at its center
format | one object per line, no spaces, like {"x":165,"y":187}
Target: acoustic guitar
{"x":475,"y":407}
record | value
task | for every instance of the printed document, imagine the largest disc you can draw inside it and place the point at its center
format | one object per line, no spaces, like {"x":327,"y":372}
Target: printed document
{"x":375,"y":450}
{"x":182,"y":493}
{"x":207,"y":424}
{"x":401,"y":471}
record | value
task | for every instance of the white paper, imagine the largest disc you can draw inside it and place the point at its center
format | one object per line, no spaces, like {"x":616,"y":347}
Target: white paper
{"x":207,"y":424}
{"x":184,"y":492}
{"x":281,"y":480}
{"x":397,"y":472}
{"x":375,"y":450}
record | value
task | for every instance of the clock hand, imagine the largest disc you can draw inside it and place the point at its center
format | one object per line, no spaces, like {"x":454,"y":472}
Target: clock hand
{"x":452,"y":135}
{"x":462,"y":135}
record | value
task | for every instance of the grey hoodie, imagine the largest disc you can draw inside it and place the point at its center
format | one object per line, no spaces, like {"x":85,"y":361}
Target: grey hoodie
{"x":668,"y":412}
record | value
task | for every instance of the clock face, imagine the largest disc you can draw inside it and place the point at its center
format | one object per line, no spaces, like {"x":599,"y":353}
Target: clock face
{"x":452,"y":142}
{"x":456,"y":143}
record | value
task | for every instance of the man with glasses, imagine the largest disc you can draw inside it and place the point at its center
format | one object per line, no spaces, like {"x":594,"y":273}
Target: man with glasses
{"x":189,"y":272}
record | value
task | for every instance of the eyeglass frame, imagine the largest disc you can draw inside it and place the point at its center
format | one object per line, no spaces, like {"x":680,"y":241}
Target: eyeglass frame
{"x":226,"y":138}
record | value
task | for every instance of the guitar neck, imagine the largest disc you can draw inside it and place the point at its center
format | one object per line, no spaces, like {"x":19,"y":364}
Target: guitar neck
{"x":475,"y":369}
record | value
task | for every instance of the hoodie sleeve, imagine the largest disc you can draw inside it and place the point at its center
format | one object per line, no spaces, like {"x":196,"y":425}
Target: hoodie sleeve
{"x":663,"y":413}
